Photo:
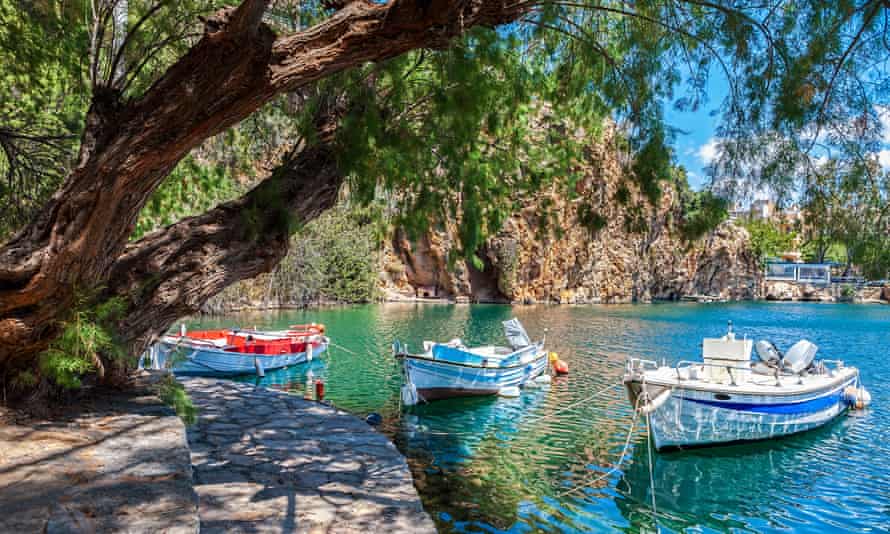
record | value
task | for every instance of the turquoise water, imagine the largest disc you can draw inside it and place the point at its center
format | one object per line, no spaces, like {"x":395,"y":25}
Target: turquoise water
{"x":522,"y":465}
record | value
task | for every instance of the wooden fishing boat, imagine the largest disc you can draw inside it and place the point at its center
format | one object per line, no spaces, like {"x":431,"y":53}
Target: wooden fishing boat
{"x":728,"y":398}
{"x":446,"y":370}
{"x":238,"y":352}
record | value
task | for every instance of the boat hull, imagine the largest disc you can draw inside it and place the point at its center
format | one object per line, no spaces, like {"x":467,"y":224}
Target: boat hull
{"x":436,"y":380}
{"x":205,"y":361}
{"x":695,"y":418}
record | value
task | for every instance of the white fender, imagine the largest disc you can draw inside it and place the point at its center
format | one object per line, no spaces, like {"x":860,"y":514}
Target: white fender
{"x":509,"y":391}
{"x":656,"y":402}
{"x":409,"y":395}
{"x":259,"y":367}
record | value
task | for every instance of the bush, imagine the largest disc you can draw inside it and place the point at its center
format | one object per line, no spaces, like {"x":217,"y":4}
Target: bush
{"x":86,"y":338}
{"x":767,"y":240}
{"x":703,"y":211}
{"x":334,"y":258}
{"x":173,"y":394}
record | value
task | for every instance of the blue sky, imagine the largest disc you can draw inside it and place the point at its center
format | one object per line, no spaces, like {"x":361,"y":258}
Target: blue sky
{"x":695,"y":146}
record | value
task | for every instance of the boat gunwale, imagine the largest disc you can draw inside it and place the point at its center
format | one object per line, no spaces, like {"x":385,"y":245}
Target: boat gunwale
{"x":221,"y":350}
{"x":419,"y":357}
{"x":780,"y":391}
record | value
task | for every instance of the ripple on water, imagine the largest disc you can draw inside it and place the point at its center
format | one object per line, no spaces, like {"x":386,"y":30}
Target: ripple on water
{"x":494,"y":465}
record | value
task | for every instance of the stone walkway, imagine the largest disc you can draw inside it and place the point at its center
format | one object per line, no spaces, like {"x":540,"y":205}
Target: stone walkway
{"x":266,"y":461}
{"x":110,"y":463}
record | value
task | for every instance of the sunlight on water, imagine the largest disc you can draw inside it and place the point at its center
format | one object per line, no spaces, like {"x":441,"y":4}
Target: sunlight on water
{"x":521,"y":465}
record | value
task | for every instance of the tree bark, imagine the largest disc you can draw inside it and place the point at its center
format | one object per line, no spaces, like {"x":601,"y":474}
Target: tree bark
{"x":172,"y":272}
{"x":78,"y":242}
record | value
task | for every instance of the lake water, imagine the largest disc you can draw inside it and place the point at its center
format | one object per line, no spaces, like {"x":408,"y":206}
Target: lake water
{"x":522,"y":465}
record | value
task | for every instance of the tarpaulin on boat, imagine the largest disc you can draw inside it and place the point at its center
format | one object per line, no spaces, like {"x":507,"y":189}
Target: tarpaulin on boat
{"x":516,"y":334}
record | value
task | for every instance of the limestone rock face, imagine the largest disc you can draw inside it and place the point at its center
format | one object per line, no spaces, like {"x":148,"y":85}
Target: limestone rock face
{"x":543,"y":253}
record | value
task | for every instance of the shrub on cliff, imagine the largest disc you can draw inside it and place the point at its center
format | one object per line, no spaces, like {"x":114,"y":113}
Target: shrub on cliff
{"x":334,"y":258}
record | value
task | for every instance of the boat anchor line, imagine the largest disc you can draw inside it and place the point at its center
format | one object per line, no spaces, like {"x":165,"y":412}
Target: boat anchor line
{"x":341,"y":347}
{"x":571,"y":406}
{"x":617,"y":465}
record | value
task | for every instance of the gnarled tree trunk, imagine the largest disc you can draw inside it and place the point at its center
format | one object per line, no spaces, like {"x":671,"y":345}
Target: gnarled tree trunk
{"x":79,"y":241}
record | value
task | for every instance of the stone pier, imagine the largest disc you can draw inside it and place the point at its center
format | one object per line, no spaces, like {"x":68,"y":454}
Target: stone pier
{"x":110,"y":462}
{"x":266,"y":461}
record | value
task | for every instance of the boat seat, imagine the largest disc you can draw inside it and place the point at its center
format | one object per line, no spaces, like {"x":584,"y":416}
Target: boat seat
{"x":761,"y":368}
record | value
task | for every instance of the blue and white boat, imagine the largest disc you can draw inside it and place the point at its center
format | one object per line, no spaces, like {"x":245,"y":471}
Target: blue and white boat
{"x":446,"y":370}
{"x":729,"y":398}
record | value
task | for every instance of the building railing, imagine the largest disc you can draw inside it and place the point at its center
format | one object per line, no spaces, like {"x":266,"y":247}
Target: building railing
{"x":808,"y":273}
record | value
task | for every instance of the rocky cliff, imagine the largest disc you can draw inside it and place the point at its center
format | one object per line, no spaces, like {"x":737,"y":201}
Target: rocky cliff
{"x":632,"y":252}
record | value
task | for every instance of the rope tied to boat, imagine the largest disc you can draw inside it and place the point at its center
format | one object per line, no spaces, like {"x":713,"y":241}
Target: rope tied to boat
{"x":617,"y":464}
{"x":651,"y":469}
{"x":341,"y":347}
{"x":571,"y":406}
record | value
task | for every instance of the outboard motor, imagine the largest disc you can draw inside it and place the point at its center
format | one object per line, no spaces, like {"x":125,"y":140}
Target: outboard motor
{"x":768,"y":353}
{"x":800,"y":356}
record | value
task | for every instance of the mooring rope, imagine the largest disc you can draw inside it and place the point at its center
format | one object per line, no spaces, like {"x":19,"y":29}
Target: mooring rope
{"x":570,"y":406}
{"x":341,"y":347}
{"x":651,"y":470}
{"x":617,"y":464}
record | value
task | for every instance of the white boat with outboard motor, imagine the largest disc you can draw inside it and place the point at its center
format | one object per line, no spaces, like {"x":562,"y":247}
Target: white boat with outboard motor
{"x":446,"y":370}
{"x":728,"y":398}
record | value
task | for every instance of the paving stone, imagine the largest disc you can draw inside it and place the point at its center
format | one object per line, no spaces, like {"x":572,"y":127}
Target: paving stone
{"x":114,"y":462}
{"x":290,"y":465}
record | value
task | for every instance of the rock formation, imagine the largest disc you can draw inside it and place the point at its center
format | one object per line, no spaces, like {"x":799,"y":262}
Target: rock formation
{"x":544,"y":253}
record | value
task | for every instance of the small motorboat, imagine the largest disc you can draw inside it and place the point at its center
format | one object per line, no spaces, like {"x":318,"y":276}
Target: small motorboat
{"x":729,"y":398}
{"x":446,"y":370}
{"x":238,"y":352}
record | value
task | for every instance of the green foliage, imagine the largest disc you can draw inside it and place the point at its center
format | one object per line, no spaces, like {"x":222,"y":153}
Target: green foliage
{"x":847,"y":209}
{"x":700,"y":211}
{"x":86,"y":338}
{"x":43,"y":99}
{"x":768,"y":240}
{"x":704,"y":212}
{"x":332,"y":259}
{"x":848,"y":291}
{"x":590,"y":219}
{"x":23,"y":381}
{"x":173,"y":394}
{"x":192,"y":187}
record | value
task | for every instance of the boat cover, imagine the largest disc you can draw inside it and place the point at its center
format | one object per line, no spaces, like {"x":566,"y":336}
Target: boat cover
{"x":800,"y":356}
{"x":516,"y":334}
{"x":456,"y":355}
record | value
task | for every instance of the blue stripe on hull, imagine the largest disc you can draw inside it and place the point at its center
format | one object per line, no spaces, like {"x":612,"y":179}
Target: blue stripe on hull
{"x":809,"y":406}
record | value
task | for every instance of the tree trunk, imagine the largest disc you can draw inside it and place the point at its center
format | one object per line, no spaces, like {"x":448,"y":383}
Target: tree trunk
{"x":172,"y":272}
{"x":79,"y":241}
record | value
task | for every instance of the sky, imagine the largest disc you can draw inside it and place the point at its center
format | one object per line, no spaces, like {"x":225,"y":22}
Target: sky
{"x":695,"y":145}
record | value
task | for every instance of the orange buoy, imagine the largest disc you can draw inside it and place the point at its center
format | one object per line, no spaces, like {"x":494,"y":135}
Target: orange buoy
{"x":561,"y":367}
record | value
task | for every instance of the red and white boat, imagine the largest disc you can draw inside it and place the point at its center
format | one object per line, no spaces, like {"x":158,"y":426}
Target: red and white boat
{"x":238,"y":352}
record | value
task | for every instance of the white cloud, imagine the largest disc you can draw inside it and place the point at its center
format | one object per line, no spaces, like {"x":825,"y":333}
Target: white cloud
{"x":708,"y":151}
{"x":884,"y":158}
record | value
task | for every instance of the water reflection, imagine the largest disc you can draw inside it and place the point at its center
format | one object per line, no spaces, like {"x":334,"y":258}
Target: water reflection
{"x":522,"y":465}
